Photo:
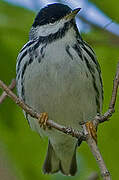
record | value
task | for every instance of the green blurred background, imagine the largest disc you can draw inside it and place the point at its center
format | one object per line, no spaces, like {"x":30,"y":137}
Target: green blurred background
{"x":22,"y":151}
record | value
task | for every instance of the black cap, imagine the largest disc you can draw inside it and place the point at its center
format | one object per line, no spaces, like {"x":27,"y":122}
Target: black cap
{"x":51,"y":13}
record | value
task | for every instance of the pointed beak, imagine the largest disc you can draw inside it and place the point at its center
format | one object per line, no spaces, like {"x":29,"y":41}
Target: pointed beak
{"x":72,"y":14}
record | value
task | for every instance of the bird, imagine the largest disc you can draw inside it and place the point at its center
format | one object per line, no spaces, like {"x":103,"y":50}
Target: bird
{"x":58,"y":75}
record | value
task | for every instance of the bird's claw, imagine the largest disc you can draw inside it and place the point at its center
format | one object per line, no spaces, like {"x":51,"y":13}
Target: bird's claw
{"x":43,"y":118}
{"x":91,"y":130}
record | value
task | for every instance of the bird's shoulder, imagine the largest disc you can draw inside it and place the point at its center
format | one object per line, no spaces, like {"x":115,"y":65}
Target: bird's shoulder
{"x":30,"y":51}
{"x":89,"y":53}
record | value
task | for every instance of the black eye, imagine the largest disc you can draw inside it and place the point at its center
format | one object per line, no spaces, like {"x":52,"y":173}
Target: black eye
{"x":52,"y":20}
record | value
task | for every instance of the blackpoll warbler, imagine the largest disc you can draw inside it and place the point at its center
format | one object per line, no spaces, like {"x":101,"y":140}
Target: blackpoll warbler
{"x":58,"y":73}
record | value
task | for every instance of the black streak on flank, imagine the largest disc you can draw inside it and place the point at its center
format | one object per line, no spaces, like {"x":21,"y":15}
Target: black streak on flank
{"x":68,"y":52}
{"x":92,"y":57}
{"x":42,"y":51}
{"x":18,"y":76}
{"x":22,"y":80}
{"x":22,"y":92}
{"x":21,"y":58}
{"x":39,"y":59}
{"x":95,"y":61}
{"x":37,"y":44}
{"x":78,"y":50}
{"x":30,"y":61}
{"x":86,"y":44}
{"x":23,"y":70}
{"x":94,"y":84}
{"x":27,"y":45}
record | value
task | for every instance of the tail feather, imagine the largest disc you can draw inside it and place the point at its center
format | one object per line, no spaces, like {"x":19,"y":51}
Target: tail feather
{"x":53,"y":164}
{"x":69,"y":168}
{"x":73,"y":167}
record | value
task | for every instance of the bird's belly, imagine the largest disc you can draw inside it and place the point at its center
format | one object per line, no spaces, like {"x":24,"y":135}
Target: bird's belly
{"x":62,"y":89}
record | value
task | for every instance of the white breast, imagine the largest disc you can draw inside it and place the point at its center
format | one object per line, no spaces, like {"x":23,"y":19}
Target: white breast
{"x":60,"y":86}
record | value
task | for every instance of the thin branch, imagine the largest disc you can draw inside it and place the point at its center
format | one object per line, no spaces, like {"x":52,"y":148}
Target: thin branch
{"x":84,"y":134}
{"x":96,"y":153}
{"x":100,"y":119}
{"x":115,"y":88}
{"x":4,"y":94}
{"x":36,"y":115}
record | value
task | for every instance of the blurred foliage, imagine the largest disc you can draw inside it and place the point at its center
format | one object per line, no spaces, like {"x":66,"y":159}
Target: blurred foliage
{"x":111,"y":8}
{"x":26,"y":150}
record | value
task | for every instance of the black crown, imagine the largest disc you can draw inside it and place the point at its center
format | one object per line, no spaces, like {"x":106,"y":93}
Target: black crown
{"x":51,"y":13}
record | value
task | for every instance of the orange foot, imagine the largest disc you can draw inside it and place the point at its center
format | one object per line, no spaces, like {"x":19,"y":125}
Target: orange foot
{"x":91,"y":130}
{"x":43,"y":120}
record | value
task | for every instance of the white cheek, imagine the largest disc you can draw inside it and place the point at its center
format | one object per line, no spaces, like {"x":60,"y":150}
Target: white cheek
{"x":45,"y":30}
